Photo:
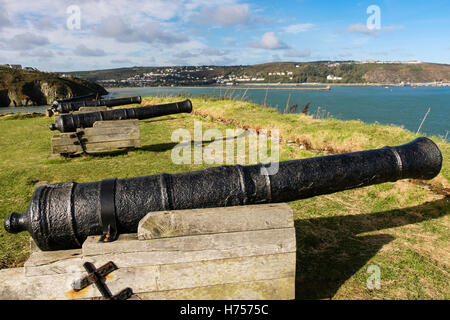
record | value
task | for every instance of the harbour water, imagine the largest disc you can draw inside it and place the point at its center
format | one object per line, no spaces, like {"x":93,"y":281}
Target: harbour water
{"x":401,"y":106}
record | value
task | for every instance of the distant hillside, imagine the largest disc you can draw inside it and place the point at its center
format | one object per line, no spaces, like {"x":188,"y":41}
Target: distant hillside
{"x":181,"y":75}
{"x":29,"y":87}
{"x":352,"y":72}
{"x":284,"y":72}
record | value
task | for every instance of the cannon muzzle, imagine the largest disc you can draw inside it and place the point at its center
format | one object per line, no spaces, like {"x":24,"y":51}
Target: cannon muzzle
{"x":71,"y":122}
{"x":66,"y":107}
{"x":62,"y":216}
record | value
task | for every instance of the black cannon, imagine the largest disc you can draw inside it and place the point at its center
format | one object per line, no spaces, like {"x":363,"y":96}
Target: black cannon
{"x":70,"y":122}
{"x":90,"y":96}
{"x":61,"y":216}
{"x":66,"y":107}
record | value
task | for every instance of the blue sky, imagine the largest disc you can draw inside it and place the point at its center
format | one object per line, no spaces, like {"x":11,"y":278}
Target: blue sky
{"x":123,"y":33}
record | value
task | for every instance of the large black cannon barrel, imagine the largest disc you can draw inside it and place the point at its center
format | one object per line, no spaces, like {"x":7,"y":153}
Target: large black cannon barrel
{"x":61,"y":216}
{"x":70,"y":122}
{"x":67,"y":107}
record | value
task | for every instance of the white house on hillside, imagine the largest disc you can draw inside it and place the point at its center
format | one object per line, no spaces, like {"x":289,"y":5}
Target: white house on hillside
{"x":333,"y":78}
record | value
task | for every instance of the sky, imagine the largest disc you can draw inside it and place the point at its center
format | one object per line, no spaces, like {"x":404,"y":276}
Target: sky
{"x":63,"y":35}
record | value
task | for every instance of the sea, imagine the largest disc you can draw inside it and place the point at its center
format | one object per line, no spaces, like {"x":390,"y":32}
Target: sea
{"x":406,"y":107}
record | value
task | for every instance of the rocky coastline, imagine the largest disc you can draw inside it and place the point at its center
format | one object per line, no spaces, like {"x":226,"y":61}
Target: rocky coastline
{"x":21,"y":89}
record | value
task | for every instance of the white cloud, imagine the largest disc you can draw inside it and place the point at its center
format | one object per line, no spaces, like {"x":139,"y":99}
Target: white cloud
{"x":205,"y":56}
{"x":122,"y":61}
{"x":345,"y":55}
{"x":44,"y":23}
{"x":134,"y":9}
{"x":82,"y":50}
{"x":226,"y":15}
{"x":4,"y":18}
{"x":298,"y":28}
{"x":223,"y":61}
{"x":297,"y":53}
{"x":185,"y":54}
{"x":214,"y":52}
{"x":230,"y":41}
{"x":40,"y":54}
{"x":363,"y":29}
{"x":26,"y":41}
{"x":269,"y":41}
{"x":360,"y":28}
{"x":114,"y":27}
{"x":275,"y":58}
{"x":140,"y":32}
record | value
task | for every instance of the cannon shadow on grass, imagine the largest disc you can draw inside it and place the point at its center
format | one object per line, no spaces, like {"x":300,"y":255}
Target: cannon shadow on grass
{"x":159,"y":147}
{"x":329,"y":250}
{"x":160,"y":120}
{"x":162,"y":147}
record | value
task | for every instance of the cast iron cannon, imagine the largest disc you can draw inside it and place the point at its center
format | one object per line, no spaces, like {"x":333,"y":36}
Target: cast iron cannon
{"x":66,"y":107}
{"x":70,"y":122}
{"x":62,"y":216}
{"x":90,"y":96}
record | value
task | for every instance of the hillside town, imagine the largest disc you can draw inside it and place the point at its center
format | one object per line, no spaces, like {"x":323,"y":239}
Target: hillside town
{"x":329,"y":72}
{"x":341,"y":72}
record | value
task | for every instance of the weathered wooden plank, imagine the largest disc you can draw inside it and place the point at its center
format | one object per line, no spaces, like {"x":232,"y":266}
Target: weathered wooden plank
{"x":89,"y":139}
{"x":105,"y":136}
{"x":92,"y":147}
{"x":66,"y":144}
{"x":16,"y":286}
{"x":67,"y":149}
{"x":117,"y":123}
{"x":101,"y":131}
{"x":146,"y":282}
{"x":60,"y":136}
{"x":53,"y":262}
{"x":273,"y":289}
{"x":191,"y":248}
{"x":213,"y":220}
{"x":233,"y":270}
{"x":64,"y":140}
{"x":95,"y":137}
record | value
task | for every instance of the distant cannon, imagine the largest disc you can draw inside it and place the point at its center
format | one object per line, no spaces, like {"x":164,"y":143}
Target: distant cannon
{"x":90,"y":96}
{"x":71,"y":122}
{"x":66,"y":107}
{"x":62,"y":216}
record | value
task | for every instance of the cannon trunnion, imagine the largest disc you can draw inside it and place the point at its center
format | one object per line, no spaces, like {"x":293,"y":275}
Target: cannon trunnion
{"x":62,"y":216}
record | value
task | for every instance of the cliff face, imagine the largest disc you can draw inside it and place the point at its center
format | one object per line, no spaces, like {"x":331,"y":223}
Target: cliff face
{"x":21,"y":88}
{"x":4,"y":98}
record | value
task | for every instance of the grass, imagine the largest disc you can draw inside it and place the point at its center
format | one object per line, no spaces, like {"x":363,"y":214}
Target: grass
{"x":401,"y":227}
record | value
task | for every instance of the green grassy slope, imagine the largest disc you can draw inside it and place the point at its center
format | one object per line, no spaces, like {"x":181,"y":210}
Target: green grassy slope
{"x":402,"y":227}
